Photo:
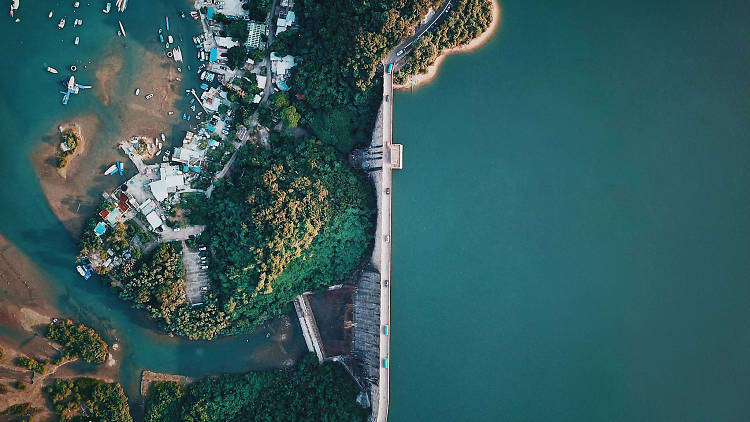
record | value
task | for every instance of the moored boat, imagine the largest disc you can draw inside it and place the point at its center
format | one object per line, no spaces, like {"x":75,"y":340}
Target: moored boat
{"x":149,"y":96}
{"x":137,"y":91}
{"x":51,"y":70}
{"x":111,"y":170}
{"x":106,"y":10}
{"x":50,"y":14}
{"x":77,"y":40}
{"x":61,"y":25}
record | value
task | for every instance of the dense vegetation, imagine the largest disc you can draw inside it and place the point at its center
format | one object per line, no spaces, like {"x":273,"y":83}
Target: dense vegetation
{"x":308,"y":392}
{"x":78,"y":340}
{"x":467,"y":21}
{"x":341,"y":43}
{"x":101,"y":401}
{"x":38,"y":366}
{"x":23,"y":410}
{"x":288,"y":219}
{"x":67,"y":147}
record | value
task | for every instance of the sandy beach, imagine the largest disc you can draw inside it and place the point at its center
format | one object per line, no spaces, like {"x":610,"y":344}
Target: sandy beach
{"x":420,"y":79}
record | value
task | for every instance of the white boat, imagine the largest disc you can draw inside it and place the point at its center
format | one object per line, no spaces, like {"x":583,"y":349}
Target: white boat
{"x":170,"y":39}
{"x":109,"y":6}
{"x":122,"y":29}
{"x":61,"y":25}
{"x":163,"y":138}
{"x":50,"y":14}
{"x":77,"y":40}
{"x":137,"y":91}
{"x":110,"y":170}
{"x":149,"y":96}
{"x":76,"y":4}
{"x":51,"y":70}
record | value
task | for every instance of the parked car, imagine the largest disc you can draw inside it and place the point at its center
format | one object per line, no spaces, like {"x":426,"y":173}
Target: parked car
{"x":192,"y":236}
{"x":176,"y":229}
{"x":204,"y":288}
{"x":202,"y":248}
{"x":387,"y":191}
{"x":385,"y":282}
{"x":204,"y":267}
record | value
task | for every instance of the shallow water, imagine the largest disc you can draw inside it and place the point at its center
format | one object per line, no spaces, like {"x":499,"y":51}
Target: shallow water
{"x":29,"y":108}
{"x":571,"y":229}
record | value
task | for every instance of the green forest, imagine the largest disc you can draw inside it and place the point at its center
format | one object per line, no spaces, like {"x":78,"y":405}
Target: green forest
{"x":467,"y":21}
{"x":308,"y":392}
{"x":288,"y":219}
{"x":78,"y":340}
{"x":96,"y":399}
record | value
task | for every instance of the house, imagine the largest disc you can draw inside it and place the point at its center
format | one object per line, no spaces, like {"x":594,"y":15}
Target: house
{"x":154,"y":220}
{"x":171,"y":179}
{"x":280,"y":66}
{"x":284,"y":21}
{"x":226,"y":42}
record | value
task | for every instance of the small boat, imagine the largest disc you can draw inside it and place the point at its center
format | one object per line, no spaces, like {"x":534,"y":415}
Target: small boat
{"x":163,"y":138}
{"x":73,"y":68}
{"x":166,"y":45}
{"x":11,"y":10}
{"x":84,"y":271}
{"x":119,"y":168}
{"x":61,"y":25}
{"x":170,"y":39}
{"x":137,"y":91}
{"x":188,"y":117}
{"x":149,"y":96}
{"x":192,"y":107}
{"x":122,"y":29}
{"x":161,"y":38}
{"x":167,"y":19}
{"x":169,"y":53}
{"x":169,"y":113}
{"x":51,"y":70}
{"x":50,"y":14}
{"x":111,"y":170}
{"x":78,"y":39}
{"x":106,"y":9}
{"x":194,"y":14}
{"x":182,"y":15}
{"x":76,"y":4}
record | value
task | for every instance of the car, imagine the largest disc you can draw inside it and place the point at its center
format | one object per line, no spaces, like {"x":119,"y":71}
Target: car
{"x":192,"y":236}
{"x":176,"y":229}
{"x":204,"y":288}
{"x":387,"y":191}
{"x":204,"y":267}
{"x":202,"y":248}
{"x":387,"y":238}
{"x":385,"y":282}
{"x":387,"y":97}
{"x":400,"y":52}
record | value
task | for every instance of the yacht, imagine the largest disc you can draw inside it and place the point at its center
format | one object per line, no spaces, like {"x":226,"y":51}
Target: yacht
{"x":61,"y":25}
{"x":51,"y":70}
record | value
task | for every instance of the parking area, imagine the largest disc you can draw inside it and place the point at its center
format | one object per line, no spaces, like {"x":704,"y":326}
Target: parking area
{"x":196,"y":274}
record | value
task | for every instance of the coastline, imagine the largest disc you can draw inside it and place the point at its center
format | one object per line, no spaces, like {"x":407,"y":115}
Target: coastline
{"x":81,"y":149}
{"x":420,"y":79}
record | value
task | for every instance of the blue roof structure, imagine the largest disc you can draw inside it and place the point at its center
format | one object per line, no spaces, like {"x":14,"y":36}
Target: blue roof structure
{"x":210,"y":13}
{"x":196,"y":169}
{"x":213,"y":55}
{"x":204,"y":86}
{"x":211,"y":128}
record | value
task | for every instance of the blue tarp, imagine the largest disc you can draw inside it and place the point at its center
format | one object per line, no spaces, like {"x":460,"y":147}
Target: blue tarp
{"x":211,"y":128}
{"x":213,"y":55}
{"x":204,"y":87}
{"x":196,"y":169}
{"x":212,"y":143}
{"x":210,"y":13}
{"x":185,"y":169}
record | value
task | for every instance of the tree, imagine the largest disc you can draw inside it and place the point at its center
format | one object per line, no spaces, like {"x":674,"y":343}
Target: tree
{"x":236,"y":56}
{"x":223,"y":108}
{"x":290,"y":117}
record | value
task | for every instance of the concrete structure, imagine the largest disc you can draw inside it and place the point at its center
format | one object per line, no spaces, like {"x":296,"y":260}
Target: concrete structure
{"x":254,"y":32}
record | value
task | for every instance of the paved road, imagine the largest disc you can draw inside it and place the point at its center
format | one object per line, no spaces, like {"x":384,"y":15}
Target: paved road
{"x":184,"y":233}
{"x":385,"y":250}
{"x":406,"y":45}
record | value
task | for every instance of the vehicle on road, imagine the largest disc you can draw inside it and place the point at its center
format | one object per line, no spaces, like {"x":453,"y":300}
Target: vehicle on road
{"x":387,"y":191}
{"x":385,"y":282}
{"x":385,"y":329}
{"x":202,"y":248}
{"x":385,"y":363}
{"x":192,"y":236}
{"x":390,"y":66}
{"x":204,"y":267}
{"x":176,"y":229}
{"x":400,"y":52}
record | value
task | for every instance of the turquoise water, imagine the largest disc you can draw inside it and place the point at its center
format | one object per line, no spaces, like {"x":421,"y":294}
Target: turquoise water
{"x":571,"y":227}
{"x":29,"y":108}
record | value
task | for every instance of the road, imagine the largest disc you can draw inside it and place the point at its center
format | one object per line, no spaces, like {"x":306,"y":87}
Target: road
{"x":385,"y":250}
{"x":406,"y":45}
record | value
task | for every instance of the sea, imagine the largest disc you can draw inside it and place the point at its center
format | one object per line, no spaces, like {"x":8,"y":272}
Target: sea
{"x":571,"y":236}
{"x":570,"y":230}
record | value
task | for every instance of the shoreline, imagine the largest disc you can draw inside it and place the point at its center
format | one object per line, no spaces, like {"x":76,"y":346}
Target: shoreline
{"x":420,"y":79}
{"x":81,"y":149}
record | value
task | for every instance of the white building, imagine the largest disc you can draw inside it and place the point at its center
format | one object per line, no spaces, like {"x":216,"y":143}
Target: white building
{"x":255,"y":30}
{"x":284,"y":21}
{"x":170,"y":180}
